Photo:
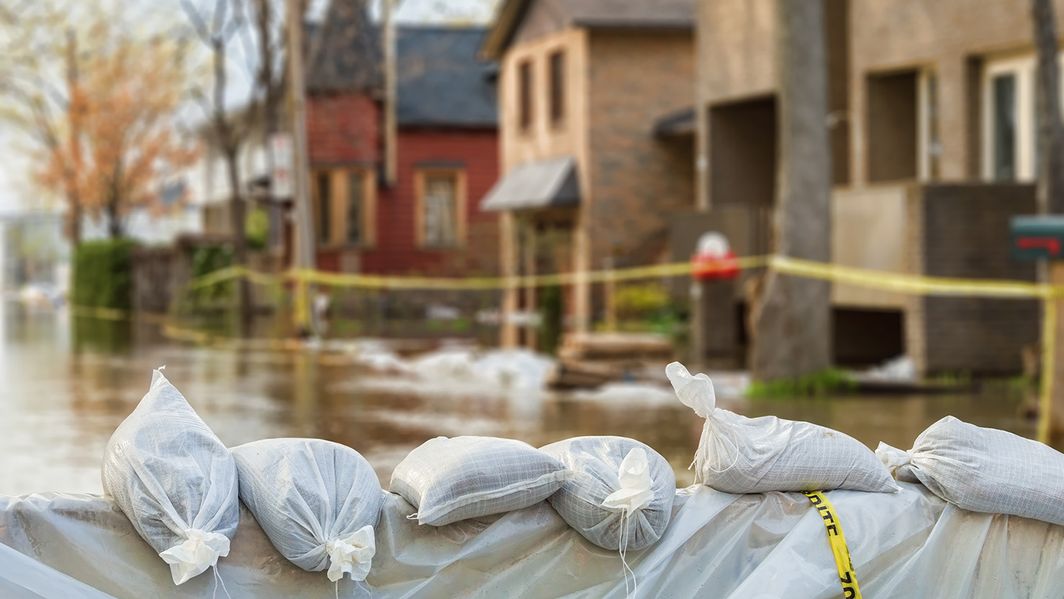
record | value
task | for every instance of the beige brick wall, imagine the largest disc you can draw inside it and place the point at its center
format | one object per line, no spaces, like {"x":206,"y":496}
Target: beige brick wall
{"x":636,"y":179}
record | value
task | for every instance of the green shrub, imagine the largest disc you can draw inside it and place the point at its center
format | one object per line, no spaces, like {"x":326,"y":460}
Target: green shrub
{"x":638,"y":302}
{"x":256,"y":228}
{"x":205,"y":260}
{"x":103,"y":274}
{"x":827,"y":381}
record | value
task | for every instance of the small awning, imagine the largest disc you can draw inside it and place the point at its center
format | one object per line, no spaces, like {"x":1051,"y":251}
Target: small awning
{"x":542,"y":184}
{"x":680,"y":123}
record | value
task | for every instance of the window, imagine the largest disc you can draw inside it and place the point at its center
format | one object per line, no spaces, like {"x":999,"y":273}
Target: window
{"x":323,"y":199}
{"x":440,"y":215}
{"x":1010,"y":136}
{"x":557,"y":88}
{"x":930,"y":145}
{"x":356,"y":226}
{"x":524,"y":95}
{"x":344,"y":205}
{"x":1003,"y":127}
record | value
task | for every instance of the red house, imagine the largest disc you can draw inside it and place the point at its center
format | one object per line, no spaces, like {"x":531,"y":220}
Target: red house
{"x":428,"y":221}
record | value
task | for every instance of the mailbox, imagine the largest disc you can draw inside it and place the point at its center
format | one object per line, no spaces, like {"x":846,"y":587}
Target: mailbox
{"x":714,"y":259}
{"x":1037,"y":237}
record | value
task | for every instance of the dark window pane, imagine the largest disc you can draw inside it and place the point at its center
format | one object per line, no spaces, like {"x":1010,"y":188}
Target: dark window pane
{"x":1004,"y":115}
{"x":354,"y":208}
{"x":524,"y":82}
{"x":557,"y":87}
{"x":324,"y":207}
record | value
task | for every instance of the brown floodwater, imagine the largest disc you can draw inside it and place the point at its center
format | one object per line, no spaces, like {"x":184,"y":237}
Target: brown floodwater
{"x":63,"y":393}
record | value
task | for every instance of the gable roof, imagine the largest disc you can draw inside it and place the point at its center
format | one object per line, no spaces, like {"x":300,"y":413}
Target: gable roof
{"x":441,"y":81}
{"x":591,"y":14}
{"x":346,"y":51}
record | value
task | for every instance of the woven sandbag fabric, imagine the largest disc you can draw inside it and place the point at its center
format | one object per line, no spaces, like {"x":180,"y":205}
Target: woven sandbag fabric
{"x":594,"y":462}
{"x":174,"y":480}
{"x":737,"y":454}
{"x":317,"y":501}
{"x":983,"y":470}
{"x":452,"y":479}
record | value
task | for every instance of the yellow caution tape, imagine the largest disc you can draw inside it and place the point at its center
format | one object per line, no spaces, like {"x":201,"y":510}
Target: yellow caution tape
{"x":1045,"y":401}
{"x":911,"y":284}
{"x":837,"y":540}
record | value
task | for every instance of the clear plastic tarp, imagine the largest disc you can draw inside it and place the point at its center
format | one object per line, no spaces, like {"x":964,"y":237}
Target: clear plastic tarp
{"x":909,"y":544}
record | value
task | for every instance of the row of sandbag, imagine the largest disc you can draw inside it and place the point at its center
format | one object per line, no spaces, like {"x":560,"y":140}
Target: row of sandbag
{"x":975,"y":468}
{"x":318,"y":501}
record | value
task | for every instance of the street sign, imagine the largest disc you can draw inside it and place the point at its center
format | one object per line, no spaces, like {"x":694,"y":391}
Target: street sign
{"x":281,"y":166}
{"x":1037,"y":237}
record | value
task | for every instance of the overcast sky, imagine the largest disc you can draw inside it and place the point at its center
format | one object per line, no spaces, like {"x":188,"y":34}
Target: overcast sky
{"x":17,"y":193}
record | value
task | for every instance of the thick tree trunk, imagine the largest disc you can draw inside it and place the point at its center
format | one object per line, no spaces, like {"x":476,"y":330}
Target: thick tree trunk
{"x":1050,"y":180}
{"x":114,"y":217}
{"x":237,"y":218}
{"x":791,"y":317}
{"x":1050,"y":129}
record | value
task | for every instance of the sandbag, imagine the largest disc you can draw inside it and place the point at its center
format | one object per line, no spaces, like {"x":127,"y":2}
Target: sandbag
{"x":983,"y":470}
{"x":174,"y":480}
{"x":737,"y":454}
{"x":317,"y":501}
{"x":614,"y":480}
{"x":452,"y":479}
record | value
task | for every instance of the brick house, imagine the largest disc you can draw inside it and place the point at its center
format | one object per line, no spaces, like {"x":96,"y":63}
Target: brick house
{"x":428,"y":221}
{"x":588,"y":176}
{"x":932,"y":129}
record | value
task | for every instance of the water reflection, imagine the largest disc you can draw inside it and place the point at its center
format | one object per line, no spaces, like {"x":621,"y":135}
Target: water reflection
{"x":64,"y":395}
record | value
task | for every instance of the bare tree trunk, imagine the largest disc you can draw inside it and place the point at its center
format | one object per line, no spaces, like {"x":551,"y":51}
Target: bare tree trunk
{"x":237,"y":215}
{"x":74,"y":116}
{"x":1050,"y":129}
{"x":791,"y":317}
{"x":114,"y":217}
{"x":1050,"y":178}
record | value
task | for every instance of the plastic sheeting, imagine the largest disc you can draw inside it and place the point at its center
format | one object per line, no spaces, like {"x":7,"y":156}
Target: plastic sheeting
{"x":909,"y":544}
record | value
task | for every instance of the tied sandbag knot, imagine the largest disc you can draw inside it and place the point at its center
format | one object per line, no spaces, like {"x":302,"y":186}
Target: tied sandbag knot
{"x":200,"y":550}
{"x":351,"y":555}
{"x":897,"y":461}
{"x":634,"y":495}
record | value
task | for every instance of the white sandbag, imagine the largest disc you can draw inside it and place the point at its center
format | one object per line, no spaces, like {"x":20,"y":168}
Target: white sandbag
{"x":614,"y":479}
{"x":737,"y":454}
{"x":174,"y":480}
{"x":448,"y":480}
{"x":983,"y":470}
{"x":317,"y":501}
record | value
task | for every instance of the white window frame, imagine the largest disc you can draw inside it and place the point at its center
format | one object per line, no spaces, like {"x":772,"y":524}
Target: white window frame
{"x":928,"y":144}
{"x":1023,"y":69}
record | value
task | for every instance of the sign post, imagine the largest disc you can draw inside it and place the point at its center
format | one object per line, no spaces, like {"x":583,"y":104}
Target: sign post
{"x":1041,"y":239}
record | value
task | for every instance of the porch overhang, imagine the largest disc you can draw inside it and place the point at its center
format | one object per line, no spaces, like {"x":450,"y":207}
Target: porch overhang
{"x":535,"y":185}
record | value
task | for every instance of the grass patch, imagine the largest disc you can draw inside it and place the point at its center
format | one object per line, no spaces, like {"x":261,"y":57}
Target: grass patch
{"x":825,"y":382}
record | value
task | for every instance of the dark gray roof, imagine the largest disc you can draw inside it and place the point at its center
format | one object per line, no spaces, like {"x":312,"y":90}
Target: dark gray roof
{"x":542,"y":184}
{"x":345,"y":54}
{"x":441,"y":79}
{"x":626,"y":14}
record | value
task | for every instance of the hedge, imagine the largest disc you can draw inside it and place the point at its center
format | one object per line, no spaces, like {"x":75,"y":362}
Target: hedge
{"x":103,"y":274}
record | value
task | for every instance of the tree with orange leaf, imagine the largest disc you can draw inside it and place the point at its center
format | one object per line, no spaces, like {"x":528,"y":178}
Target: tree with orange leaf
{"x":103,"y":114}
{"x":129,"y":140}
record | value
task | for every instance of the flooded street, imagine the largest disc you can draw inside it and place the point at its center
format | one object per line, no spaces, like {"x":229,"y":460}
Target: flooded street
{"x":63,"y":396}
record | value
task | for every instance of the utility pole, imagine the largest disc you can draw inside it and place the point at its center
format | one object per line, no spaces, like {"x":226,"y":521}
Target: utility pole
{"x":388,"y":38}
{"x":74,"y":101}
{"x":303,"y":256}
